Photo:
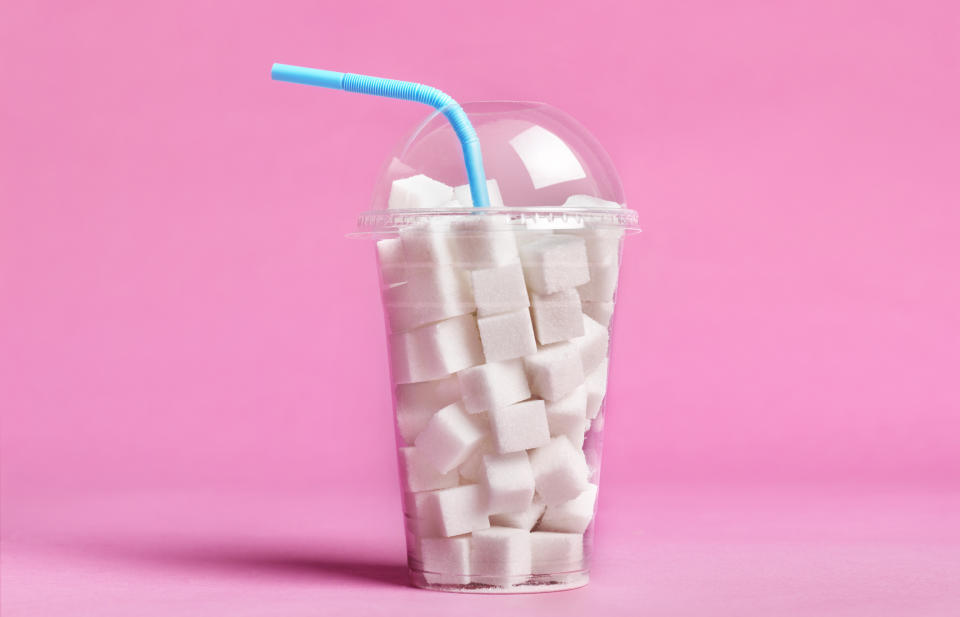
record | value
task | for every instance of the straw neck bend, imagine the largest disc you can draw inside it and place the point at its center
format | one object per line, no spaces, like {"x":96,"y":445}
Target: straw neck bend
{"x":406,"y":91}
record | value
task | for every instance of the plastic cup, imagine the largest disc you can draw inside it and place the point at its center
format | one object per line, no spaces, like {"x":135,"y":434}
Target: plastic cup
{"x":498,"y":325}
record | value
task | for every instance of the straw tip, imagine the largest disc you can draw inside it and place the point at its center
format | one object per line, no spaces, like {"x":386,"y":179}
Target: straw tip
{"x":307,"y":76}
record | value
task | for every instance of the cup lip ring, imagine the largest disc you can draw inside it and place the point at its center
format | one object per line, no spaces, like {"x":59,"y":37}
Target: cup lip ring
{"x":379,"y":222}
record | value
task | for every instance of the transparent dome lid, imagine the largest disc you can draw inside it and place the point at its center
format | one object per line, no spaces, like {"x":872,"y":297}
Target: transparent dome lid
{"x":540,"y":163}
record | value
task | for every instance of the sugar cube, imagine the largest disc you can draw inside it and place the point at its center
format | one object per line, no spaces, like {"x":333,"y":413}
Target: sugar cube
{"x":390,"y":258}
{"x":526,"y":235}
{"x":507,"y":335}
{"x":495,"y":384}
{"x":555,"y":370}
{"x":432,"y":294}
{"x":567,"y":413}
{"x":457,"y":510}
{"x":435,"y":350}
{"x":419,"y":191}
{"x":402,"y":314}
{"x":596,"y":389}
{"x":464,"y":196}
{"x":603,"y":255}
{"x":417,"y":402}
{"x":438,"y":291}
{"x":419,"y":519}
{"x":508,"y":480}
{"x":557,"y":316}
{"x":520,"y":426}
{"x":593,"y":344}
{"x":554,"y":553}
{"x":601,"y":312}
{"x":450,"y":437}
{"x":420,"y":475}
{"x":500,"y":556}
{"x":578,"y":434}
{"x":483,"y":241}
{"x":602,"y":284}
{"x":446,"y":561}
{"x":572,"y":516}
{"x":471,"y":470}
{"x":554,"y":263}
{"x":560,"y":470}
{"x":499,"y":290}
{"x":603,"y":245}
{"x":427,"y":242}
{"x":521,"y":520}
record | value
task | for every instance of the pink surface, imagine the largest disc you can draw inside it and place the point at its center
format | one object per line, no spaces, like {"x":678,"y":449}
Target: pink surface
{"x":660,"y":551}
{"x":181,"y":315}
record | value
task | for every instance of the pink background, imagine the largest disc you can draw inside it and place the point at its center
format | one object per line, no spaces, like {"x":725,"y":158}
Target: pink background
{"x":185,"y":330}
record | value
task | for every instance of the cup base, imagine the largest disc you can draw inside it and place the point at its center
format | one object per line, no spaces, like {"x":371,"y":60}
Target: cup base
{"x":537,"y":583}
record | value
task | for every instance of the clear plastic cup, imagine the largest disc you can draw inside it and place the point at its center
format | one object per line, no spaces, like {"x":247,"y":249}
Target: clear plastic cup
{"x":498,"y":322}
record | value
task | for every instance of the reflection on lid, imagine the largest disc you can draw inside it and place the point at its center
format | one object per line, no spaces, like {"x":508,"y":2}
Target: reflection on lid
{"x":548,"y":158}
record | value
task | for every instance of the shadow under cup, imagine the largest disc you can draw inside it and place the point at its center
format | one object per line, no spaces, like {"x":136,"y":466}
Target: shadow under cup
{"x":498,"y":327}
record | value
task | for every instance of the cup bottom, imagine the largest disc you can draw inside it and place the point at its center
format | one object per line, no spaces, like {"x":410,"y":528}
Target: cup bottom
{"x":536,"y":583}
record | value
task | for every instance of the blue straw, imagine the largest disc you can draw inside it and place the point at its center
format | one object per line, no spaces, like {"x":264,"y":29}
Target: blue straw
{"x":407,"y":91}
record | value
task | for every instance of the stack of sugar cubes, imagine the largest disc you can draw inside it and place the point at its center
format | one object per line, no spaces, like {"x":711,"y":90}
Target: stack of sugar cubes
{"x":498,"y":338}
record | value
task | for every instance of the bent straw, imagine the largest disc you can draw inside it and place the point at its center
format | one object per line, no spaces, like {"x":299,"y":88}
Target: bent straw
{"x":407,"y":91}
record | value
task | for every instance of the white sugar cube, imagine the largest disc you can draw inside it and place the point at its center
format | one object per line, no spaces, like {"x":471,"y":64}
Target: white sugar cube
{"x":432,"y":292}
{"x":420,"y":475}
{"x":450,"y":437}
{"x":483,"y":241}
{"x":593,"y":344}
{"x":557,"y":316}
{"x":496,"y":384}
{"x":519,"y":427}
{"x":554,"y":263}
{"x":596,"y":389}
{"x":507,"y":335}
{"x":446,"y":561}
{"x":508,"y":480}
{"x":578,"y":434}
{"x":553,"y":552}
{"x":390,"y":258}
{"x":521,"y":520}
{"x":571,"y":516}
{"x":471,"y":470}
{"x":418,"y":192}
{"x":419,"y":519}
{"x":457,"y":510}
{"x":438,"y":292}
{"x":433,"y":295}
{"x":500,"y":556}
{"x":567,"y":413}
{"x":402,"y":313}
{"x":602,"y":284}
{"x":500,"y":289}
{"x":555,"y":370}
{"x":427,"y":242}
{"x":560,"y":470}
{"x":417,"y":402}
{"x":526,"y":236}
{"x":464,"y":196}
{"x":603,"y":255}
{"x":602,"y":244}
{"x":601,"y":312}
{"x":435,"y":350}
